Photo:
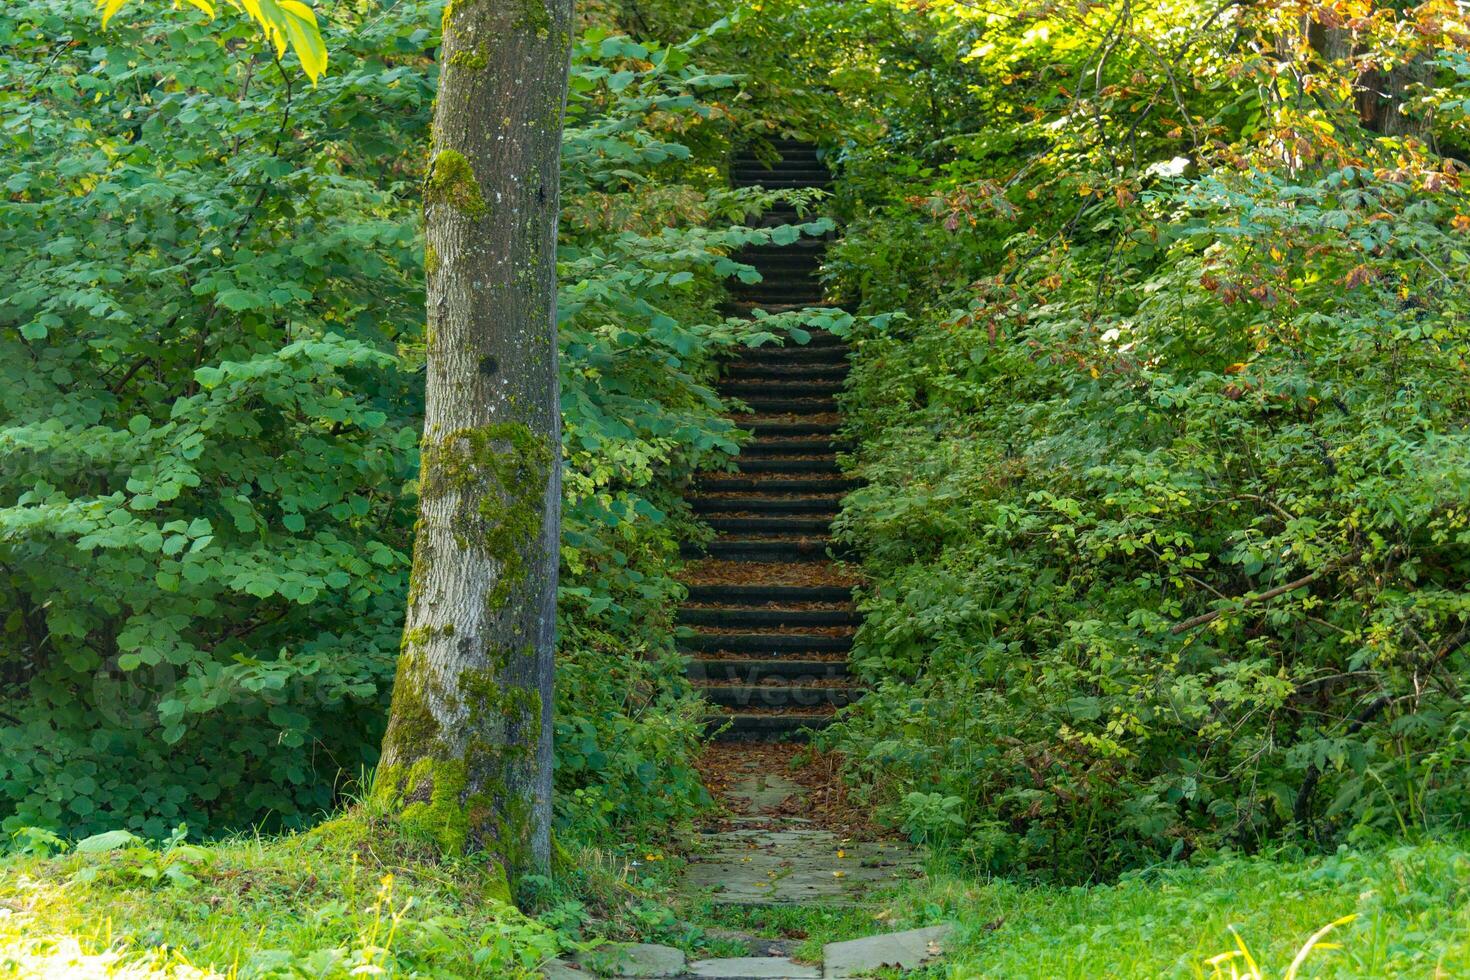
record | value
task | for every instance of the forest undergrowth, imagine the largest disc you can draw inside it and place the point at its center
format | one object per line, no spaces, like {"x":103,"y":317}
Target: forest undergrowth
{"x":1160,"y":397}
{"x":1166,"y":455}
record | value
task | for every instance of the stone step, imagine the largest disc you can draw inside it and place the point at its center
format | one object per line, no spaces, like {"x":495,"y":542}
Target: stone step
{"x":788,"y":169}
{"x":749,"y":671}
{"x":757,"y":726}
{"x":784,"y":277}
{"x":747,"y":309}
{"x":766,"y":643}
{"x":763,"y":465}
{"x":816,"y":484}
{"x":775,"y":287}
{"x":792,"y":153}
{"x":790,"y":406}
{"x":787,"y":447}
{"x":766,"y":505}
{"x":773,"y":182}
{"x":758,"y":549}
{"x":801,"y":246}
{"x":780,"y":273}
{"x":790,"y":266}
{"x":776,"y":371}
{"x":826,"y":355}
{"x":766,"y":297}
{"x":802,"y":160}
{"x":751,"y":968}
{"x":770,"y":617}
{"x":786,"y":154}
{"x":777,"y":257}
{"x":786,"y":270}
{"x":818,"y":339}
{"x":789,"y":143}
{"x":902,"y":951}
{"x":750,"y":595}
{"x":793,"y":388}
{"x":796,"y":526}
{"x":783,"y":429}
{"x":790,"y":694}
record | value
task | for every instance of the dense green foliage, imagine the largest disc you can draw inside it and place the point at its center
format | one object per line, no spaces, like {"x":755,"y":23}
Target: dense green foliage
{"x":1165,"y":534}
{"x":1168,"y":466}
{"x":1162,"y":410}
{"x":211,"y":347}
{"x":206,"y":434}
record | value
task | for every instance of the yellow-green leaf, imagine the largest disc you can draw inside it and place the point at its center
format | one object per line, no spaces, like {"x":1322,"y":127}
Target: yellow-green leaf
{"x":293,"y":23}
{"x":285,"y":23}
{"x":306,"y":38}
{"x":109,"y":7}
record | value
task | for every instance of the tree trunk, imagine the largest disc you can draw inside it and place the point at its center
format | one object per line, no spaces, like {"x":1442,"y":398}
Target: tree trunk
{"x":467,"y":756}
{"x":1383,"y":96}
{"x":1379,"y":97}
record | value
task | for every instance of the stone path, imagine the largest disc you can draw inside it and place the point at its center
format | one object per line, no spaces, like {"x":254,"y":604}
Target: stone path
{"x":770,"y":858}
{"x":857,"y":957}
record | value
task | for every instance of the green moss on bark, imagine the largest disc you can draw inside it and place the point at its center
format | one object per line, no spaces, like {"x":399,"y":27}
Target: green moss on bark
{"x":411,"y":722}
{"x":499,"y":471}
{"x":475,"y":60}
{"x":434,"y":810}
{"x":455,"y":795}
{"x":536,"y":17}
{"x":451,"y":182}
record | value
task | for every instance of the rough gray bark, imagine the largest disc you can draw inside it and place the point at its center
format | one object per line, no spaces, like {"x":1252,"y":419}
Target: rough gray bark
{"x":467,"y":755}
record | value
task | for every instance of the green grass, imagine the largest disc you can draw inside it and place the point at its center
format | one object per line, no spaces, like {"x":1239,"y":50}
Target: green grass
{"x":1412,"y":908}
{"x":352,"y":895}
{"x":348,"y":896}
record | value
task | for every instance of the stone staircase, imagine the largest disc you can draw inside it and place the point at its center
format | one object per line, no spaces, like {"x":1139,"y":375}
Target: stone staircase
{"x":771,"y":614}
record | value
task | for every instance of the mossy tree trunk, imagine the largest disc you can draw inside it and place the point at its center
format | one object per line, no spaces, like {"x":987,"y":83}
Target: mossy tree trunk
{"x":467,"y":755}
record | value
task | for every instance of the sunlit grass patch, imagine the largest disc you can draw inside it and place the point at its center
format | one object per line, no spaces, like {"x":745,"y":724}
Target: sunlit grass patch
{"x":1403,"y":911}
{"x":68,"y":956}
{"x":349,"y":897}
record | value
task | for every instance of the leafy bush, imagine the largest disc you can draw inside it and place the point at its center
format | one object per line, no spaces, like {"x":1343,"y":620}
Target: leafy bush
{"x":206,"y":434}
{"x":1165,"y":523}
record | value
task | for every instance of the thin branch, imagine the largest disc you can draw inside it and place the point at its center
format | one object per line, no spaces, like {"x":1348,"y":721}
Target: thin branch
{"x":1249,"y":600}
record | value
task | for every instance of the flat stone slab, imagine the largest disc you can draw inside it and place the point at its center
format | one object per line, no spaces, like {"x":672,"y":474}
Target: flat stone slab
{"x":906,"y":950}
{"x":754,"y":968}
{"x":562,"y":970}
{"x":634,"y":960}
{"x":764,"y":791}
{"x":797,"y":867}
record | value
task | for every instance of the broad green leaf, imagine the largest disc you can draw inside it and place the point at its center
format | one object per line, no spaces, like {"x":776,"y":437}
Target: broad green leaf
{"x":110,"y":840}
